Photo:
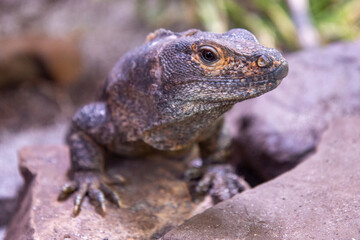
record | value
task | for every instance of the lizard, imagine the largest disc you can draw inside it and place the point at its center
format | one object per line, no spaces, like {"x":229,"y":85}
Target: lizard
{"x":169,"y":95}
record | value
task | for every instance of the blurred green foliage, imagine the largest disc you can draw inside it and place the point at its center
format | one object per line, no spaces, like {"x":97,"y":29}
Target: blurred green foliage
{"x":270,"y":20}
{"x":336,"y":19}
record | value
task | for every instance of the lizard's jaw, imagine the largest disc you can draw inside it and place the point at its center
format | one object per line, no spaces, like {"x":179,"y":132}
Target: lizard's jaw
{"x":245,"y":88}
{"x":207,"y":97}
{"x":201,"y":95}
{"x":236,"y":90}
{"x":281,"y":71}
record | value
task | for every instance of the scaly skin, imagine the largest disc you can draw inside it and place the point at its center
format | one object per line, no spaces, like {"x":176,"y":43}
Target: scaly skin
{"x":169,"y":95}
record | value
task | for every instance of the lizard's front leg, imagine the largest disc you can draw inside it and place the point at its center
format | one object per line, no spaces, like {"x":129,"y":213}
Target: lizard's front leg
{"x":218,"y":177}
{"x":87,"y":157}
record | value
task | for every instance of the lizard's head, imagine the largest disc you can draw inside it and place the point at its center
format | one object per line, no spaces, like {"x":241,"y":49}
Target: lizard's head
{"x":219,"y":68}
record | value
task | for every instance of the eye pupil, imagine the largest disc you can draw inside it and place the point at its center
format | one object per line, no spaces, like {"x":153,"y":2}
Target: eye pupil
{"x":208,"y":55}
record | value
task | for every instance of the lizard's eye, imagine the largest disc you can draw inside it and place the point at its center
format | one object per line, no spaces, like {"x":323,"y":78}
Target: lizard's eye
{"x":263,"y":61}
{"x":208,"y":54}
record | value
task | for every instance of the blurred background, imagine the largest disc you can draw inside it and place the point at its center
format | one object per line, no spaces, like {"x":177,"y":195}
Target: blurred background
{"x":54,"y":55}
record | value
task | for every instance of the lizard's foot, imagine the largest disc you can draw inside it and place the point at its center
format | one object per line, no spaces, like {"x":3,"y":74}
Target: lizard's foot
{"x":221,"y":182}
{"x":89,"y":184}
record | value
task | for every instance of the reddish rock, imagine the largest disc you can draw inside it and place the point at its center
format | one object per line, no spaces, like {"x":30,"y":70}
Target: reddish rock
{"x":156,"y":197}
{"x":280,"y":129}
{"x":69,"y":37}
{"x":319,"y":199}
{"x":37,"y":58}
{"x":10,"y":178}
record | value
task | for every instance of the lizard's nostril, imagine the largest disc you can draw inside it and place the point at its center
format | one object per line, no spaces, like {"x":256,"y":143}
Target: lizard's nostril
{"x":282,"y":71}
{"x":263,"y":61}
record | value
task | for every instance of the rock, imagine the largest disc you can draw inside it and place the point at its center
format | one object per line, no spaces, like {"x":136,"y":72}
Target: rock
{"x":7,"y":208}
{"x":319,"y":199}
{"x":280,"y":129}
{"x":10,"y":178}
{"x":156,"y":198}
{"x":31,"y":59}
{"x":103,"y":31}
{"x":2,"y":233}
{"x":35,"y":72}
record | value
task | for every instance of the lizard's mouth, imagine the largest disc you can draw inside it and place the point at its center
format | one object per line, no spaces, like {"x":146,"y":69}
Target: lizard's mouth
{"x":275,"y":76}
{"x":281,"y":71}
{"x":231,"y":91}
{"x":238,"y":89}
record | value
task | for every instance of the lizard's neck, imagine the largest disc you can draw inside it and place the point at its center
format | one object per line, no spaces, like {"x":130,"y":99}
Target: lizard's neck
{"x":182,"y":124}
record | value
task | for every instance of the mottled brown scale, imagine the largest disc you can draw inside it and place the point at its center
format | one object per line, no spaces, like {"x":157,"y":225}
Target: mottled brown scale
{"x":166,"y":97}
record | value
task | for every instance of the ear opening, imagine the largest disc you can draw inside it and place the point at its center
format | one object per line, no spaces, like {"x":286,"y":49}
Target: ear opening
{"x":159,"y":33}
{"x":190,"y":32}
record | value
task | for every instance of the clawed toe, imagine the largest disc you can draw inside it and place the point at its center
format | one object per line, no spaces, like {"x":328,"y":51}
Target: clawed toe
{"x":90,"y":185}
{"x":67,"y":190}
{"x":114,"y":179}
{"x":97,"y":196}
{"x":79,"y":198}
{"x":204,"y":184}
{"x":112,"y":195}
{"x":221,"y":183}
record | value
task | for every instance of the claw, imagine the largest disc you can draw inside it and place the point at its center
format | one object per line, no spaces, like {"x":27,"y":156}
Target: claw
{"x":79,"y":199}
{"x":242,"y":184}
{"x":112,"y":194}
{"x":114,"y":179}
{"x":92,"y":185}
{"x":115,"y":197}
{"x":233,"y":186}
{"x":67,"y":190}
{"x":205,"y":184}
{"x":120,"y":178}
{"x":99,"y":197}
{"x":221,"y":182}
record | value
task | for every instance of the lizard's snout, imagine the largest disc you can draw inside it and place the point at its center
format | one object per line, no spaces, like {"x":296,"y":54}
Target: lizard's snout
{"x":281,"y":71}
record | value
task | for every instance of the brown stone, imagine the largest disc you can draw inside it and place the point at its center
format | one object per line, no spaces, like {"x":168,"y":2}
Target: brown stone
{"x":7,"y":208}
{"x":280,"y":129}
{"x":319,"y":199}
{"x":68,"y":38}
{"x":156,"y":198}
{"x":10,"y":178}
{"x":35,"y":72}
{"x":34,"y":58}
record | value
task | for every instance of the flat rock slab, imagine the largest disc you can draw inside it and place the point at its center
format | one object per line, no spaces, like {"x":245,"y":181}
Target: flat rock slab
{"x":319,"y":199}
{"x":10,"y":178}
{"x":156,"y":198}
